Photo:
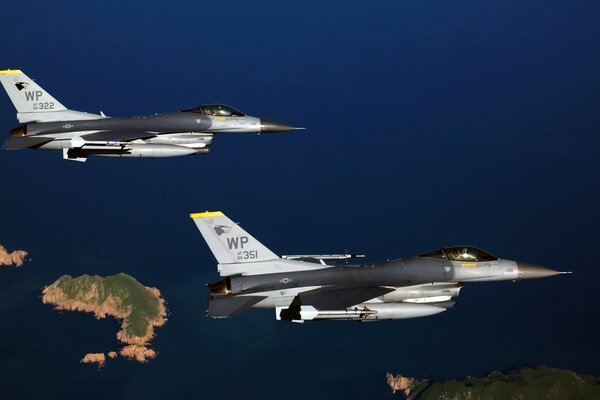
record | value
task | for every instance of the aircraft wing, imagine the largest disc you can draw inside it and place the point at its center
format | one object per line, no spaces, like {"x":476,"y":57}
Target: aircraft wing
{"x":119,"y":136}
{"x":336,"y":298}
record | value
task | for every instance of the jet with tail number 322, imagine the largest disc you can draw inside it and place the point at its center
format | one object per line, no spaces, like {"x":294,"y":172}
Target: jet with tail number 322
{"x":301,"y":288}
{"x":47,"y":124}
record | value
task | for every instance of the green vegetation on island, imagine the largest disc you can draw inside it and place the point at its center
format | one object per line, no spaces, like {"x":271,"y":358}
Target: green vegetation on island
{"x":133,"y":298}
{"x":140,"y":308}
{"x":538,"y":383}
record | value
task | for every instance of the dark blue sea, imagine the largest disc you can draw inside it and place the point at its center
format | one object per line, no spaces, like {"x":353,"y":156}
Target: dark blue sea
{"x":428,"y":125}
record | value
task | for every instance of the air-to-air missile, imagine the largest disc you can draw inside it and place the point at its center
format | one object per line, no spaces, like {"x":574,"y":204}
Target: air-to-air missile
{"x":306,"y":287}
{"x":47,"y":124}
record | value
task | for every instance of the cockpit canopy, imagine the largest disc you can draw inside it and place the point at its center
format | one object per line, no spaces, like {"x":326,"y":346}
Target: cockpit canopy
{"x":216,"y":110}
{"x":460,"y":253}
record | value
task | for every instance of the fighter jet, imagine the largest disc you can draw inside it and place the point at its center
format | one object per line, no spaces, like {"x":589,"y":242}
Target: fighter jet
{"x":306,"y":287}
{"x":47,"y":124}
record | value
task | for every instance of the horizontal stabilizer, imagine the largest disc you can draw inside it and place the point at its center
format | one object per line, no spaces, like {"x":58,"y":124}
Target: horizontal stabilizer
{"x":231,"y":306}
{"x":24,"y":142}
{"x":336,"y":298}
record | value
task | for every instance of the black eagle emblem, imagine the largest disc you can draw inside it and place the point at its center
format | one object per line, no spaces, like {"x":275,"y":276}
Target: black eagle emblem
{"x":221,"y":229}
{"x":21,"y":85}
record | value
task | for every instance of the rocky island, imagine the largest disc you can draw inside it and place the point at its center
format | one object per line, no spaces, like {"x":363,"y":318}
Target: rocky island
{"x":16,"y":258}
{"x":139,"y":308}
{"x":524,"y":383}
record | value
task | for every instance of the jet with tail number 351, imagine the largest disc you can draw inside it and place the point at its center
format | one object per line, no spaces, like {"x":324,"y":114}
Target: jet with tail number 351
{"x":301,"y":288}
{"x":47,"y":124}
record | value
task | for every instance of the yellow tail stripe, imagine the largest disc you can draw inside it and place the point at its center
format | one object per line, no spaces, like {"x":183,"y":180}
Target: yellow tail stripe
{"x":206,"y":214}
{"x":10,"y":71}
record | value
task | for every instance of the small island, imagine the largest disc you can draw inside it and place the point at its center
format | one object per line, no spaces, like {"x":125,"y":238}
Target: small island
{"x":524,"y":383}
{"x":16,"y":258}
{"x":139,"y":308}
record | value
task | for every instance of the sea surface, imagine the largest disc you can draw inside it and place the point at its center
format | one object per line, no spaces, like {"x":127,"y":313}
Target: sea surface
{"x":495,"y":325}
{"x":428,"y":125}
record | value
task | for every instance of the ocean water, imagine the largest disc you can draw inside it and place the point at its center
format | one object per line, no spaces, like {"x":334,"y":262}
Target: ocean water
{"x":495,"y":325}
{"x":429,"y":125}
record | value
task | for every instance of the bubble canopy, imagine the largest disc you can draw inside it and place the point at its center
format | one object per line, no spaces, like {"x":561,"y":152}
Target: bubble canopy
{"x":460,"y":253}
{"x":216,"y":110}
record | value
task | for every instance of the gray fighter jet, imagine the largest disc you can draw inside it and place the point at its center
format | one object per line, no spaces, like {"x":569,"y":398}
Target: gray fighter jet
{"x":302,"y":288}
{"x":47,"y":124}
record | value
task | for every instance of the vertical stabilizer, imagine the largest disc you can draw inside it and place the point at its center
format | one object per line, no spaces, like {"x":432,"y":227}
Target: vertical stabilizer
{"x":33,"y":103}
{"x":26,"y":95}
{"x":229,"y":243}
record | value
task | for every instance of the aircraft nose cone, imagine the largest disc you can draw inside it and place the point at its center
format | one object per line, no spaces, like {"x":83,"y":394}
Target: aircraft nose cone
{"x":531,"y":271}
{"x":268,"y":126}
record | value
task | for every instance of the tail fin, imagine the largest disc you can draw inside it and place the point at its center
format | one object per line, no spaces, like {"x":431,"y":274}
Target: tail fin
{"x":33,"y":103}
{"x":229,"y":243}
